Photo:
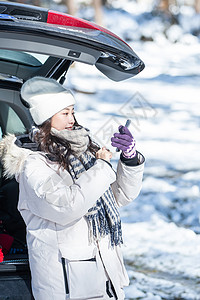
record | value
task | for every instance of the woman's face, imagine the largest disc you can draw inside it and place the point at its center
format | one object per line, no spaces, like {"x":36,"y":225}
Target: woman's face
{"x":64,"y":119}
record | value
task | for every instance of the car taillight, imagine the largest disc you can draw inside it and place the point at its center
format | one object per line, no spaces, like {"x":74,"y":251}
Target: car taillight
{"x":1,"y":255}
{"x":68,"y":20}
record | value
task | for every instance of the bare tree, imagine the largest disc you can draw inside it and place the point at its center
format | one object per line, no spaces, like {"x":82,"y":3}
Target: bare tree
{"x":163,"y":5}
{"x":197,"y":6}
{"x":98,"y":11}
{"x":71,"y":7}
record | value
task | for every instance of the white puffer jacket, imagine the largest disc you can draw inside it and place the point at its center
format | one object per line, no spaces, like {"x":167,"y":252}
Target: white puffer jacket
{"x":53,"y":208}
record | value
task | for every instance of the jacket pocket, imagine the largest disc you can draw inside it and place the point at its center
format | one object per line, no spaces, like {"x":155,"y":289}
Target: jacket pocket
{"x":84,"y":278}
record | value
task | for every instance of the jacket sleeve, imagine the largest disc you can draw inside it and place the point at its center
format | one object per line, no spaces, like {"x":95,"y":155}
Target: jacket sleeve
{"x":128,"y":182}
{"x":56,"y":198}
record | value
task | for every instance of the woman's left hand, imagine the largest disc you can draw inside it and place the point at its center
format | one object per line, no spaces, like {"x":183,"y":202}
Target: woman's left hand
{"x":104,"y":153}
{"x":125,"y":142}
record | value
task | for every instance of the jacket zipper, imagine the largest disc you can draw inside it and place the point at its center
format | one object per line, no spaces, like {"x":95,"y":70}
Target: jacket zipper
{"x":65,"y":276}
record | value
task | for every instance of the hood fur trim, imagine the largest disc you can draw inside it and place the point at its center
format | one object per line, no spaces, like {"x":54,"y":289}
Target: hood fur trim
{"x":12,"y":157}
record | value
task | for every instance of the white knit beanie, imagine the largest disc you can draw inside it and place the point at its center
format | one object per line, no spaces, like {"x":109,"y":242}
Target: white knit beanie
{"x":46,"y":97}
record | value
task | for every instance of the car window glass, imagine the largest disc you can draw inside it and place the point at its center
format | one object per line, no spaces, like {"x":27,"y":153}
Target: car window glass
{"x":42,"y":58}
{"x":10,"y":121}
{"x":17,"y":66}
{"x":23,"y":57}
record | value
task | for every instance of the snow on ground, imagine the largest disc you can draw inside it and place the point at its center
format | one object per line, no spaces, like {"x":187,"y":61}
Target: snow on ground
{"x":161,"y":227}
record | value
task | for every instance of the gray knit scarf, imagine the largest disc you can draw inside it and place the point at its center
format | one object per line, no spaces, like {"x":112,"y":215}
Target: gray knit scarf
{"x":103,"y":218}
{"x":78,"y":138}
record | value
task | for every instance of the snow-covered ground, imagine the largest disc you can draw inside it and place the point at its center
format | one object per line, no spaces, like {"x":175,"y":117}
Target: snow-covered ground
{"x":161,"y":227}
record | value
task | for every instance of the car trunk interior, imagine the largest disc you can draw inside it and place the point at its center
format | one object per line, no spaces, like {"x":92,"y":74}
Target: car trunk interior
{"x":15,"y":68}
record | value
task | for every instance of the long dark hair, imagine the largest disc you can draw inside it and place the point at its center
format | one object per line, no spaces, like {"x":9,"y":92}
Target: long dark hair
{"x":56,"y":148}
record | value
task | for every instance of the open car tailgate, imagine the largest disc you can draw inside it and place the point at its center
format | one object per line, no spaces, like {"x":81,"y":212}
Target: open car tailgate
{"x":29,"y":28}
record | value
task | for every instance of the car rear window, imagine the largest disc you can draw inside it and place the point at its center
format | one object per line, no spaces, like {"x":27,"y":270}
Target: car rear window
{"x":10,"y":121}
{"x":19,"y":65}
{"x":21,"y":57}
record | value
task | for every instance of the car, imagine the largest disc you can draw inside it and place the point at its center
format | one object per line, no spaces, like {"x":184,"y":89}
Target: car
{"x":39,"y":42}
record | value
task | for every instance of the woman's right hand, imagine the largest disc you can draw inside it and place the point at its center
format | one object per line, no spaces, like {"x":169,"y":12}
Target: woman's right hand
{"x":104,"y":153}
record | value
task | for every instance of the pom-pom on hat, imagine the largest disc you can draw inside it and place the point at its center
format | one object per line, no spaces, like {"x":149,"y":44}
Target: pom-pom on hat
{"x":45,"y":97}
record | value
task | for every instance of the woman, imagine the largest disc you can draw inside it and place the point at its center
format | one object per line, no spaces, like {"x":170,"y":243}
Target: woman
{"x":69,"y":198}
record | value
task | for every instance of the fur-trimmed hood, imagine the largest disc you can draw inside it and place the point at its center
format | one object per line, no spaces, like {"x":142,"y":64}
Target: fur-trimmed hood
{"x":12,"y":157}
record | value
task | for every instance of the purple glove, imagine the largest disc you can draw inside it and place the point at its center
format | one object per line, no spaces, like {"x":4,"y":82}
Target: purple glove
{"x":124,"y":141}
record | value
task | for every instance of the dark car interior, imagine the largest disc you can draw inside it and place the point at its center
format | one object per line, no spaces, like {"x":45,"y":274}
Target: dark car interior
{"x":15,"y":68}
